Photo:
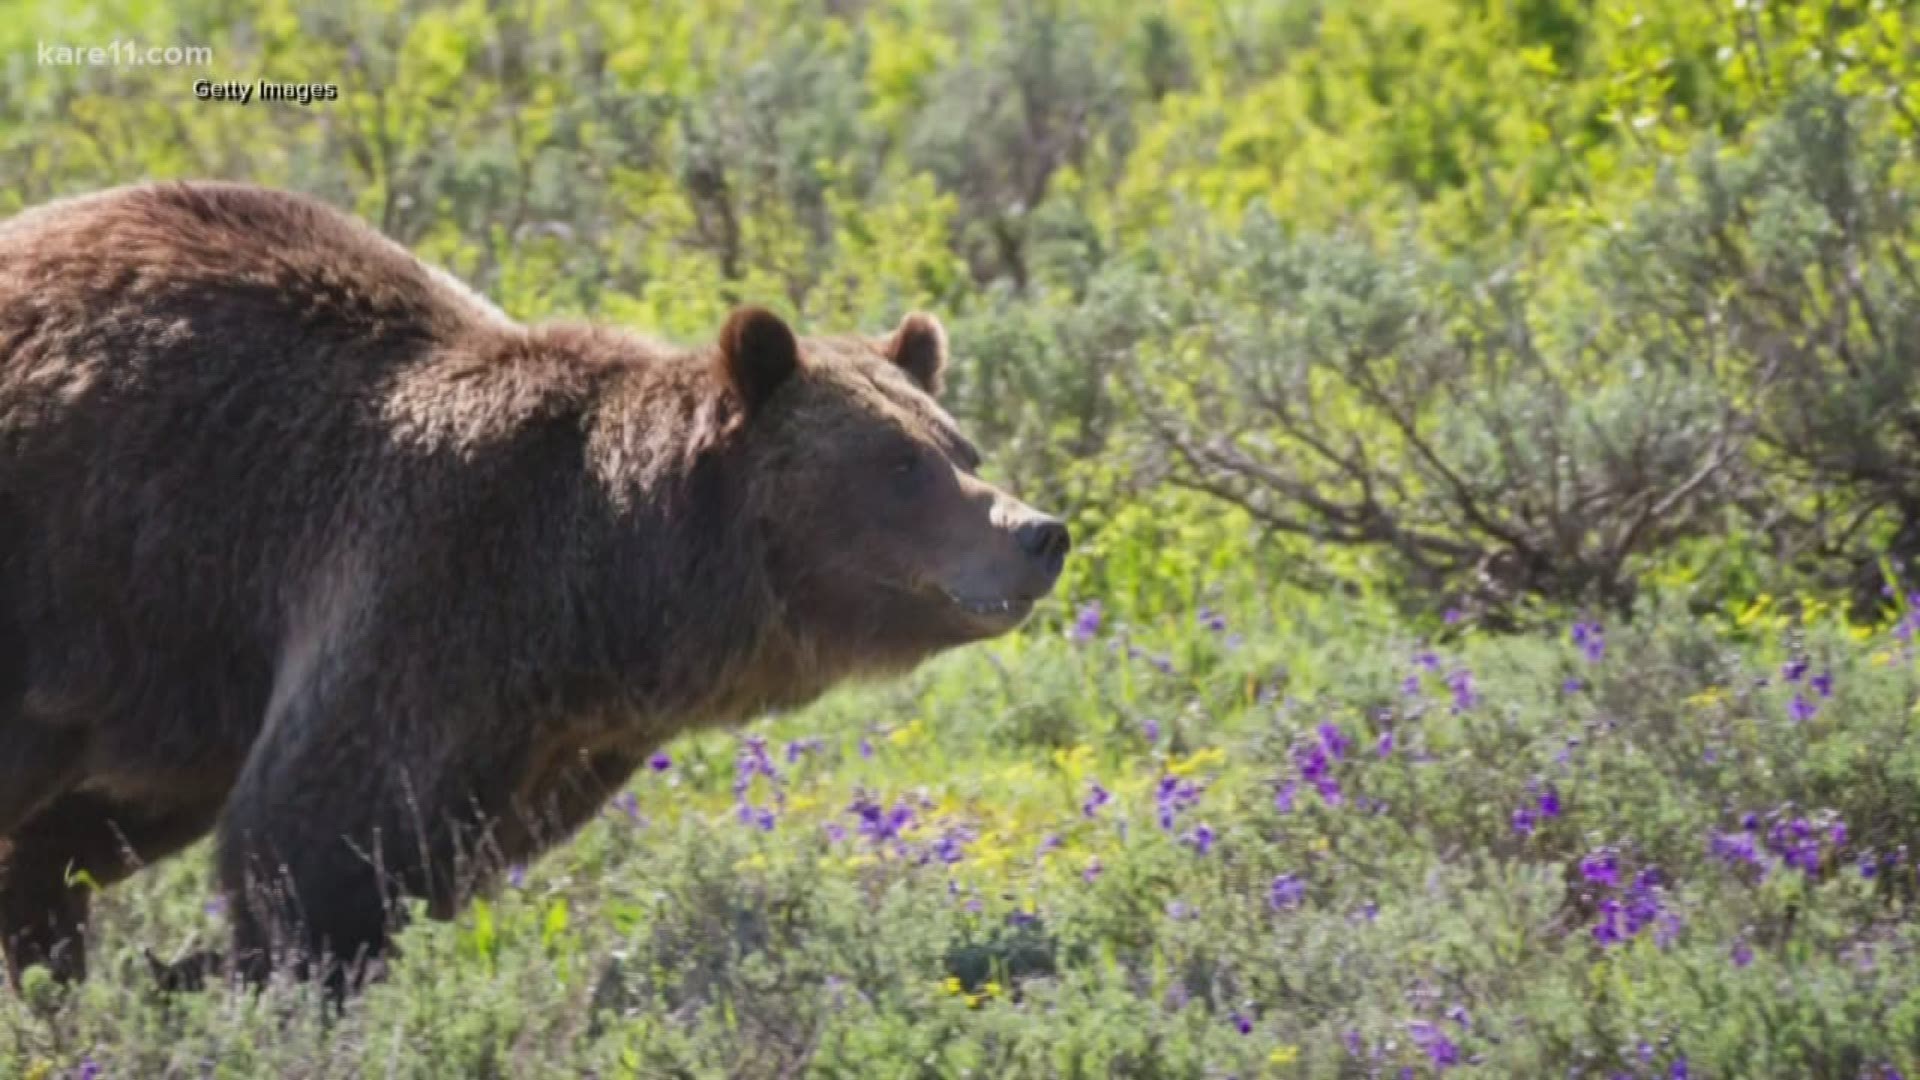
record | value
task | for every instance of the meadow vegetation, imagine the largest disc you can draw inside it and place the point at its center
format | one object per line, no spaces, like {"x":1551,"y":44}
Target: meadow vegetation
{"x":1492,"y":430}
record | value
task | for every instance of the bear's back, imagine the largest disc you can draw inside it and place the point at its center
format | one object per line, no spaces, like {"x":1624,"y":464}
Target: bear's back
{"x":197,"y":257}
{"x":195,"y":384}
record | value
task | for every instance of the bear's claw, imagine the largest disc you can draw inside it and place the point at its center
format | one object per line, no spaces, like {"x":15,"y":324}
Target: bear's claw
{"x":188,"y":973}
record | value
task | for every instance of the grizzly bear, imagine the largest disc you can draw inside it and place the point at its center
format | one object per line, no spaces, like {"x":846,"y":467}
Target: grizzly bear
{"x":305,"y":544}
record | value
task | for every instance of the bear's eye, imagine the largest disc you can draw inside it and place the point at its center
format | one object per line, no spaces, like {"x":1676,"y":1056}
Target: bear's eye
{"x":905,"y":470}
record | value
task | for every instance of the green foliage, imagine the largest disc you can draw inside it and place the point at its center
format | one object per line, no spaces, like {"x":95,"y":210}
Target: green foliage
{"x":1016,"y":925}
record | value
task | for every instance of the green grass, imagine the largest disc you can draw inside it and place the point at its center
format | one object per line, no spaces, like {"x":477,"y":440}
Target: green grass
{"x":674,"y":939}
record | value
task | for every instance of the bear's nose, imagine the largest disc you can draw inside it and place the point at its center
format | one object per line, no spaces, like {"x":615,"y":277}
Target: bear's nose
{"x":1047,"y":540}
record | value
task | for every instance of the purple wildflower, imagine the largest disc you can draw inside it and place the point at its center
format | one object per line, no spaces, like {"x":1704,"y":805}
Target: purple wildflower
{"x":1590,"y":640}
{"x":1201,"y":838}
{"x":1620,"y":917}
{"x":1464,"y":695}
{"x":1666,"y":929}
{"x":1452,"y":616}
{"x":1800,"y":710}
{"x":1092,"y":871}
{"x":1822,"y":684}
{"x":1283,"y":796}
{"x":1385,"y":746}
{"x":1097,"y":797}
{"x":1608,"y":931}
{"x":1524,"y":821}
{"x":880,"y":824}
{"x":1171,"y":797}
{"x":951,"y":847}
{"x":1439,"y":1049}
{"x":1334,"y":740}
{"x":628,"y":803}
{"x":1213,"y":620}
{"x":661,"y":761}
{"x":1287,"y":891}
{"x":1311,"y":759}
{"x":1241,"y":1024}
{"x":517,"y":876}
{"x":1410,"y":685}
{"x":1794,"y":670}
{"x":751,"y":761}
{"x":1736,"y":848}
{"x":1549,"y":801}
{"x":1427,"y":659}
{"x":1741,"y":954}
{"x":866,"y":747}
{"x":1601,"y":868}
{"x":1679,"y":1069}
{"x":88,"y":1070}
{"x":1086,"y":622}
{"x":1150,"y":730}
{"x":1329,"y":790}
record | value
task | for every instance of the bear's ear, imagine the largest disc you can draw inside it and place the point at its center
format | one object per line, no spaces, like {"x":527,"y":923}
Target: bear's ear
{"x":919,"y":345}
{"x":758,"y":352}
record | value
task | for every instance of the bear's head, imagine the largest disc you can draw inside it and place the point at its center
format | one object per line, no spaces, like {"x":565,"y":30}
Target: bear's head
{"x":880,"y":536}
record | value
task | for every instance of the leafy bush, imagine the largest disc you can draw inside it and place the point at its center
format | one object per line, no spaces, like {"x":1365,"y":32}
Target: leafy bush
{"x":1435,"y":411}
{"x":1322,"y":845}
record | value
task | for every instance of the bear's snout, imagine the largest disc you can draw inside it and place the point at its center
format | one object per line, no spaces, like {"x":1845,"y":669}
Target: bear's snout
{"x":1046,"y":541}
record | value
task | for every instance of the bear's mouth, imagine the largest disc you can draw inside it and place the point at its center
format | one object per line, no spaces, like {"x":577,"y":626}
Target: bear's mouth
{"x":995,"y":608}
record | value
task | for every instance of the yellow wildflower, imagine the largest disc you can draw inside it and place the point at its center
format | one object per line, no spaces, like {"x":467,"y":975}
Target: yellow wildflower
{"x":1199,"y":759}
{"x":1754,"y":610}
{"x":1073,"y":758}
{"x":1283,"y":1055}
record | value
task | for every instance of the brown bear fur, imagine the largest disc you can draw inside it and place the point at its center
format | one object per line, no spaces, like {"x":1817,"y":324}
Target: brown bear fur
{"x":302,"y":542}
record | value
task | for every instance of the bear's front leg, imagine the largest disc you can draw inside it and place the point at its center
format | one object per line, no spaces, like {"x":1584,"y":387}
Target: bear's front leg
{"x":362,"y":791}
